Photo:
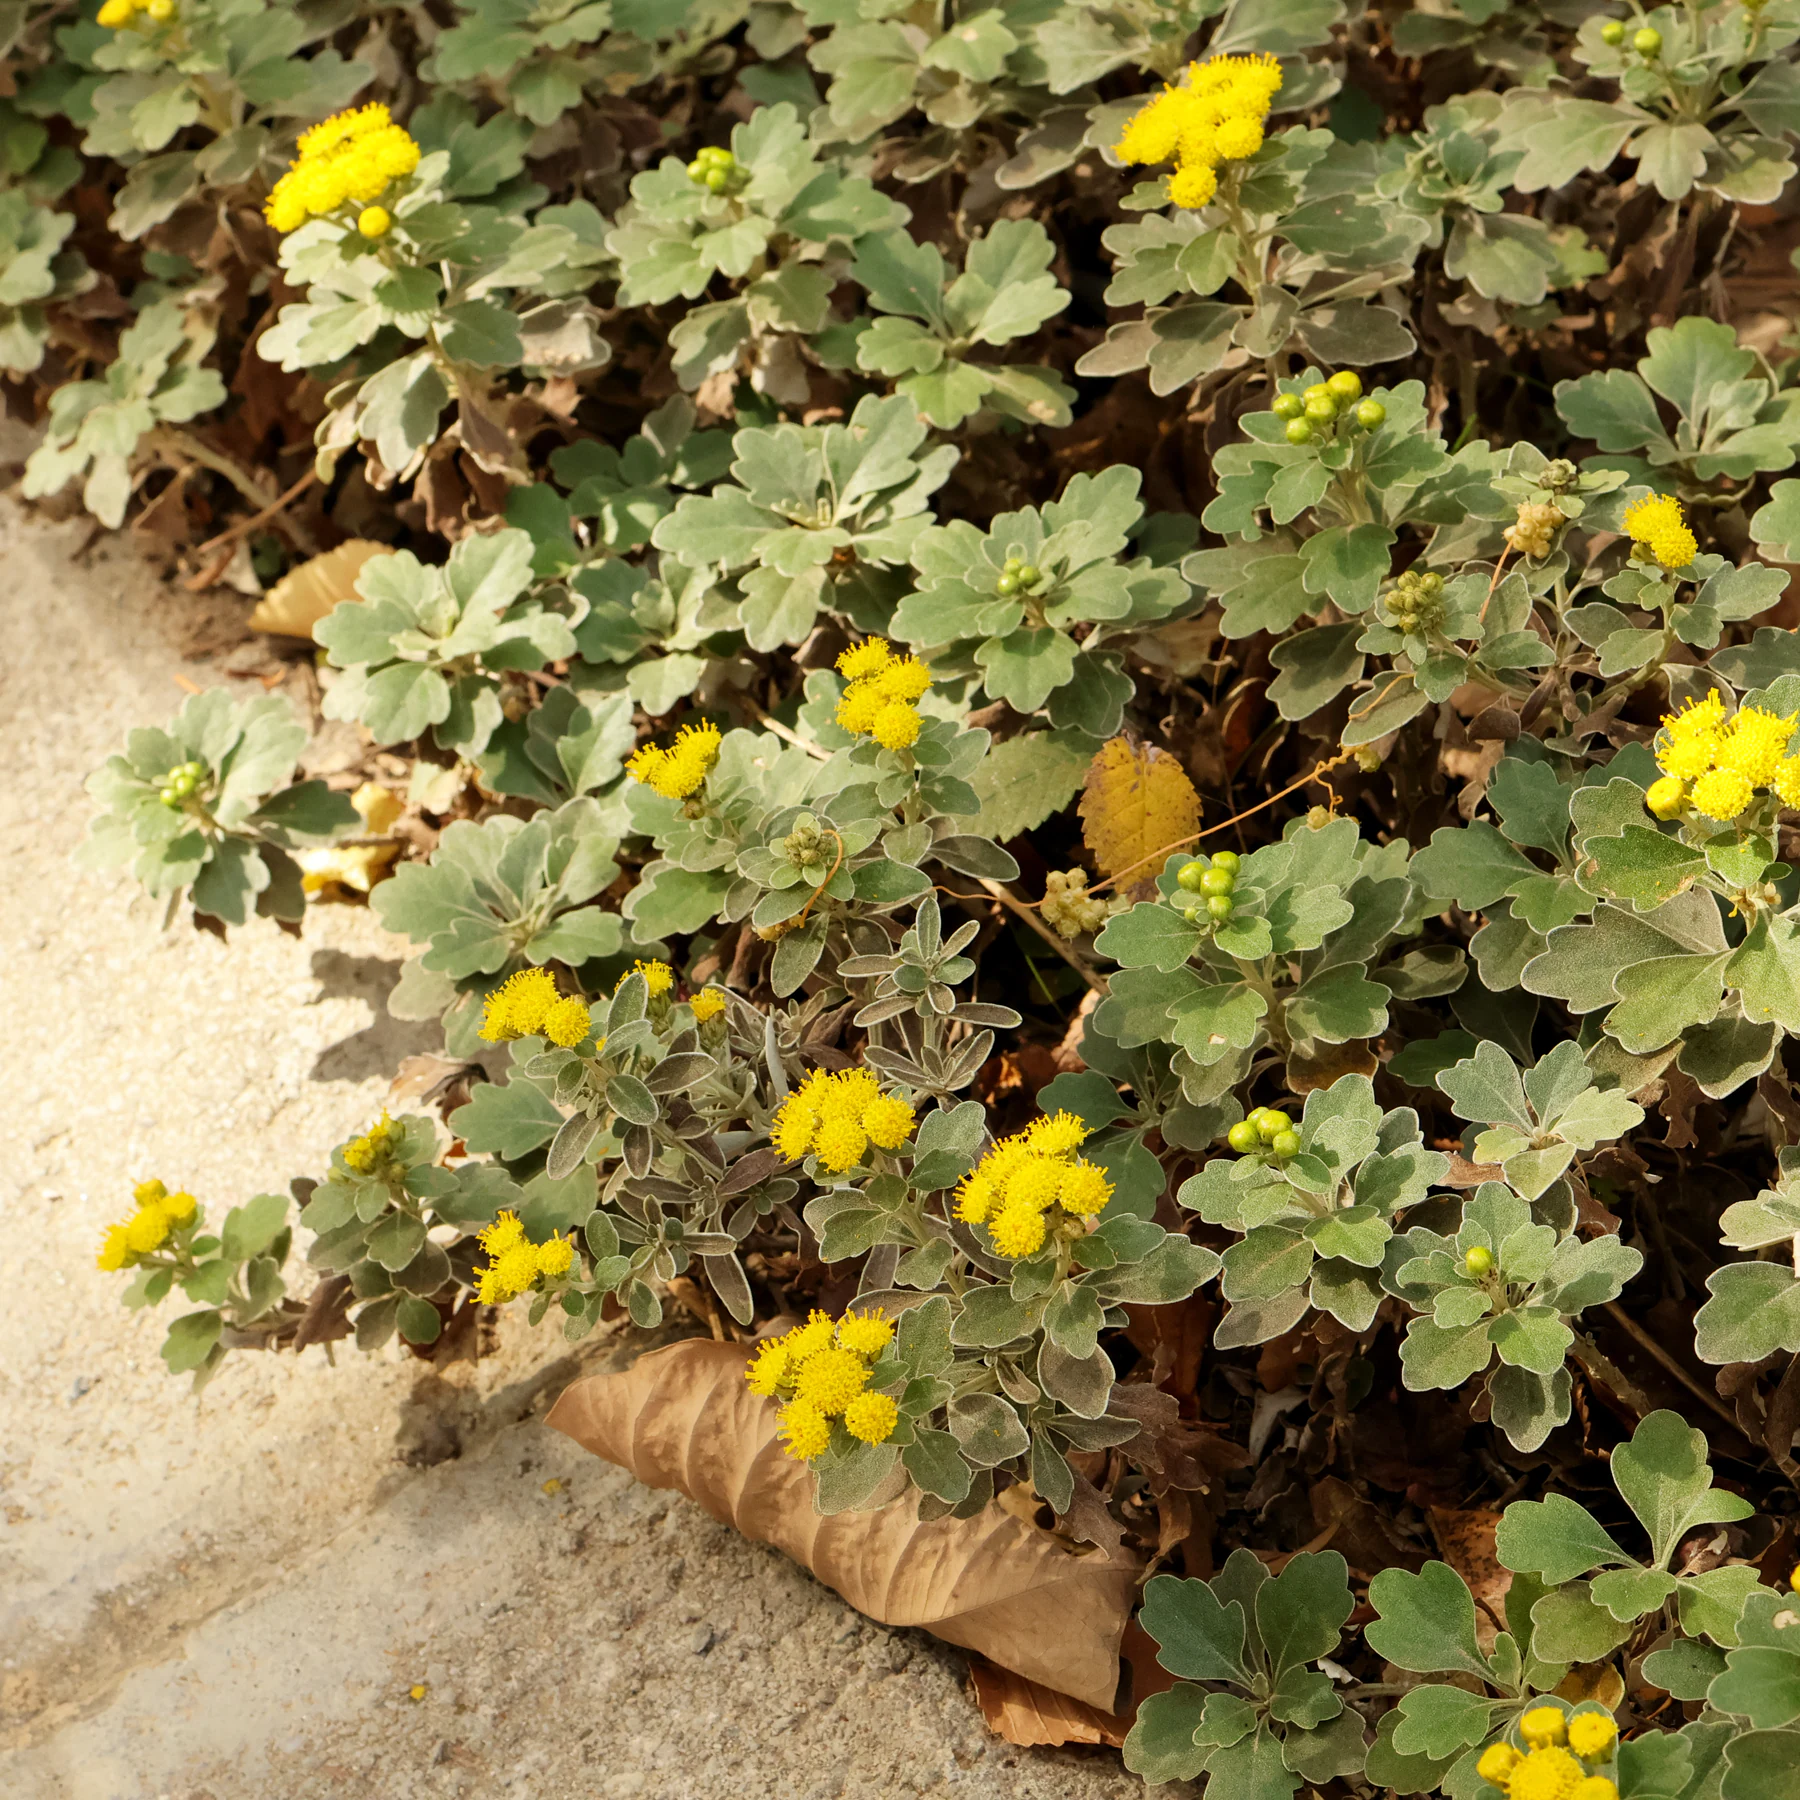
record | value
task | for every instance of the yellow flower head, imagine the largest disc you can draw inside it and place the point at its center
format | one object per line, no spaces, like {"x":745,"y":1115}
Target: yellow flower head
{"x":659,"y":978}
{"x":1660,"y":526}
{"x":871,"y":1418}
{"x":795,"y":1126}
{"x":678,"y":771}
{"x":519,"y":1006}
{"x":374,"y":221}
{"x":841,"y":1143}
{"x":1497,"y":1763}
{"x":868,"y":1334}
{"x":362,"y":1154}
{"x":146,"y":1230}
{"x":1217,"y":117}
{"x":517,"y":1268}
{"x":1787,"y":782}
{"x":768,"y":1368}
{"x":1592,"y":1735}
{"x":567,"y":1022}
{"x":806,"y":1429}
{"x":1056,"y":1133}
{"x":1546,"y":1774}
{"x":116,"y":14}
{"x":1085,"y":1189}
{"x":896,"y":726}
{"x":1692,"y":756}
{"x":115,"y":1248}
{"x":1755,"y":741}
{"x":905,"y":680}
{"x":888,"y":1120}
{"x":1722,"y":794}
{"x":555,"y":1256}
{"x":859,"y":706}
{"x":806,"y":1340}
{"x":862,"y":660}
{"x":149,"y":1193}
{"x":180,"y":1207}
{"x":831,"y":1379}
{"x":1034,"y":1184}
{"x":1595,"y":1787}
{"x":975,"y":1197}
{"x":1193,"y":187}
{"x":708,"y":1004}
{"x":350,"y":158}
{"x":496,"y":1239}
{"x":1543,"y":1726}
{"x":1017,"y":1230}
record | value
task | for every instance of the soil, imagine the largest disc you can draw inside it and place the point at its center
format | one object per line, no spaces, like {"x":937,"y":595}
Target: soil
{"x":317,"y":1581}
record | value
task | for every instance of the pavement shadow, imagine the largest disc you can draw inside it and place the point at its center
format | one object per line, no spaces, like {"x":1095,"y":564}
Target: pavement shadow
{"x":379,"y":1047}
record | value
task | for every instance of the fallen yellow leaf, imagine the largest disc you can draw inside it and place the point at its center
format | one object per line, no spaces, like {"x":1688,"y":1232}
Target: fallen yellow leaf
{"x":1136,"y":802}
{"x":306,"y":593}
{"x":354,"y":866}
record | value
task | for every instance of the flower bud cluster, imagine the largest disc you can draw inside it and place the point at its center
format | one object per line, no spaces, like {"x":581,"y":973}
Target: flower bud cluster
{"x":1328,"y":408}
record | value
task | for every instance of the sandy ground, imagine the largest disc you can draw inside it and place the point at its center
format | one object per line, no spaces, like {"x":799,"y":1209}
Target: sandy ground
{"x":236,"y":1598}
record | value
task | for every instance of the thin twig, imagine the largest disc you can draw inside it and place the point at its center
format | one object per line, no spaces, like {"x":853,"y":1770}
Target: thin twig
{"x":1646,"y":1342}
{"x":185,"y":443}
{"x":233,"y":532}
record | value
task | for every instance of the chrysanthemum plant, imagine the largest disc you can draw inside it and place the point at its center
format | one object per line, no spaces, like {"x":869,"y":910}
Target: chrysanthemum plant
{"x":787,"y":520}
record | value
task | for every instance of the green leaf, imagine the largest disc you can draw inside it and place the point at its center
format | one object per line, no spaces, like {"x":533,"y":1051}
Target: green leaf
{"x":1425,"y":1622}
{"x":251,"y":1228}
{"x":191,"y":1340}
{"x":1160,"y":1745}
{"x":1197,"y":1634}
{"x":1664,"y":1477}
{"x":509,"y":1118}
{"x":1643,"y":867}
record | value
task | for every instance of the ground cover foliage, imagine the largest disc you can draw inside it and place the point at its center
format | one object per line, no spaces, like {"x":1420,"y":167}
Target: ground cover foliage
{"x":1082,"y":715}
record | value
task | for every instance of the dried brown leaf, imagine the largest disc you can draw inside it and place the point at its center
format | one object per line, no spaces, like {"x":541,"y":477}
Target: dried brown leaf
{"x":1137,"y":801}
{"x":304,"y":595}
{"x":1466,"y":1539}
{"x":1022,"y":1712}
{"x":683,"y":1418}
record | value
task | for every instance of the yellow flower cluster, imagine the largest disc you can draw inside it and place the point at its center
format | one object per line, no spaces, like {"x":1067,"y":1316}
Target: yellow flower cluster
{"x":881,"y":701}
{"x":1555,"y":1763}
{"x":158,"y":1213}
{"x":1659,"y":525}
{"x":528,"y":1005}
{"x":115,"y":15}
{"x":837,"y":1117}
{"x":708,"y":1004}
{"x":1216,"y":118}
{"x":677,"y":771}
{"x":1014,"y":1187}
{"x":351,"y":157}
{"x":515,"y":1262}
{"x":363,"y":1153}
{"x":1715,"y":765}
{"x":659,"y":978}
{"x":822,"y":1370}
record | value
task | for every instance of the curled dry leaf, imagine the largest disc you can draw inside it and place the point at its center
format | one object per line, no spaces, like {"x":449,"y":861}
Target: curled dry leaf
{"x":1022,"y":1712}
{"x":1466,"y":1540}
{"x":682,"y":1418}
{"x":306,"y":593}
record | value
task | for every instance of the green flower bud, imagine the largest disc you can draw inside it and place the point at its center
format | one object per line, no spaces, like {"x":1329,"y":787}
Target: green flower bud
{"x":1225,"y":859}
{"x":1285,"y":1144}
{"x":1346,"y":384}
{"x":1242,"y":1138}
{"x":1287,"y":406}
{"x":1030,"y":575}
{"x":1478,"y":1261}
{"x":1298,"y":432}
{"x":1322,"y":410}
{"x":1007,"y":585}
{"x":1219,"y":907}
{"x":1268,"y":1120}
{"x":717,"y":179}
{"x":1191,"y":877}
{"x":1217,"y":881}
{"x":1613,"y":32}
{"x":1371,"y":414}
{"x":1647,"y":43}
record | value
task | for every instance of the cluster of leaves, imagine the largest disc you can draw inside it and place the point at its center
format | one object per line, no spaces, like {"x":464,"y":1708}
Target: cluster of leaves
{"x":704,"y":344}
